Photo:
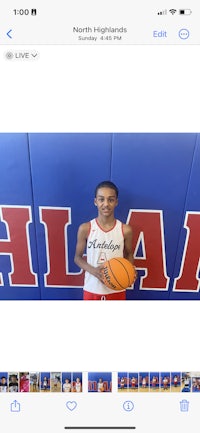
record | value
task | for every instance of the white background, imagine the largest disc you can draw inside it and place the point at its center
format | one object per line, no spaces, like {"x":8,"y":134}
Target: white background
{"x":100,"y":89}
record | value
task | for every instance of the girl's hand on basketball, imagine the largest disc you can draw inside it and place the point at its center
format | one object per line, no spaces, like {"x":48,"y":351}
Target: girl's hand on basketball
{"x":98,"y":273}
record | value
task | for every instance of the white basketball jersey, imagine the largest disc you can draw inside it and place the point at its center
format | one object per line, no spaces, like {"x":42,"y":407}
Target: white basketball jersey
{"x":67,"y":387}
{"x":100,"y":386}
{"x":78,"y":387}
{"x":102,"y":246}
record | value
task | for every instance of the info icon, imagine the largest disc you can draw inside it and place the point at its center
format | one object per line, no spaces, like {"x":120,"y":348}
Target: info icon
{"x":128,"y":406}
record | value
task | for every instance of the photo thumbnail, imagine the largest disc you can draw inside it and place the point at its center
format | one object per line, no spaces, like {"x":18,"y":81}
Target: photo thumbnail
{"x":24,"y":382}
{"x":100,"y":382}
{"x":127,"y":382}
{"x":34,"y":381}
{"x":13,"y":382}
{"x":72,"y":382}
{"x":3,"y":382}
{"x":45,"y":384}
{"x":55,"y":382}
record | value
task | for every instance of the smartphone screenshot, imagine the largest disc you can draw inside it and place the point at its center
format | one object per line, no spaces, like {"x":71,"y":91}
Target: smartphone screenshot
{"x":99,"y":201}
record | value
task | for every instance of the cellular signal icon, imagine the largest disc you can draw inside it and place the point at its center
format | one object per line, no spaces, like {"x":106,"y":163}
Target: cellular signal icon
{"x":164,"y":12}
{"x":172,"y":11}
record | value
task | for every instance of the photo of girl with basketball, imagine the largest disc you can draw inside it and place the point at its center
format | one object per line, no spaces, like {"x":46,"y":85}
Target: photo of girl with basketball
{"x":104,"y":238}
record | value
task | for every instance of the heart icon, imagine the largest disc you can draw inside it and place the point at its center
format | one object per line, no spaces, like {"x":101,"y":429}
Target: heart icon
{"x":71,"y":405}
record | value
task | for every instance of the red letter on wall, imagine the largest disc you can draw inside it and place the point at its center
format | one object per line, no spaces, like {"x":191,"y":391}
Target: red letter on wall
{"x":17,"y":245}
{"x":148,"y":234}
{"x":56,"y":220}
{"x":188,"y":280}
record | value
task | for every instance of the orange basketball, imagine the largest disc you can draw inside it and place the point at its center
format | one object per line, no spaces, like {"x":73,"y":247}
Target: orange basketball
{"x":118,"y":273}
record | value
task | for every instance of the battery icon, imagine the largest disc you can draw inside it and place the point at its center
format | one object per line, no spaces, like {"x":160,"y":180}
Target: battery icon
{"x":33,"y":11}
{"x":185,"y":11}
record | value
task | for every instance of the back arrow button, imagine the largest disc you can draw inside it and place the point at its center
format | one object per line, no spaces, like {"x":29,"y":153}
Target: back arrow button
{"x":8,"y":33}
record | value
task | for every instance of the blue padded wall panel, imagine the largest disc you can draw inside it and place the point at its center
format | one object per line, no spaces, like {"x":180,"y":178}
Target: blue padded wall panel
{"x":65,"y":171}
{"x":15,"y":190}
{"x":152,"y":172}
{"x":192,"y":204}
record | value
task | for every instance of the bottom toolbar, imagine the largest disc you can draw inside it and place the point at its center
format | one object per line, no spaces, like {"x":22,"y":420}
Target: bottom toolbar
{"x":58,"y":412}
{"x":90,"y":401}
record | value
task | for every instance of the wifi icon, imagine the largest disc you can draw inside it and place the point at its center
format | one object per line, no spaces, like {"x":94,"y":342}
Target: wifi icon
{"x":172,"y":11}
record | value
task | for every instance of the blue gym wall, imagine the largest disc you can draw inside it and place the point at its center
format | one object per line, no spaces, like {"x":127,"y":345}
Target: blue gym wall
{"x":152,"y":171}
